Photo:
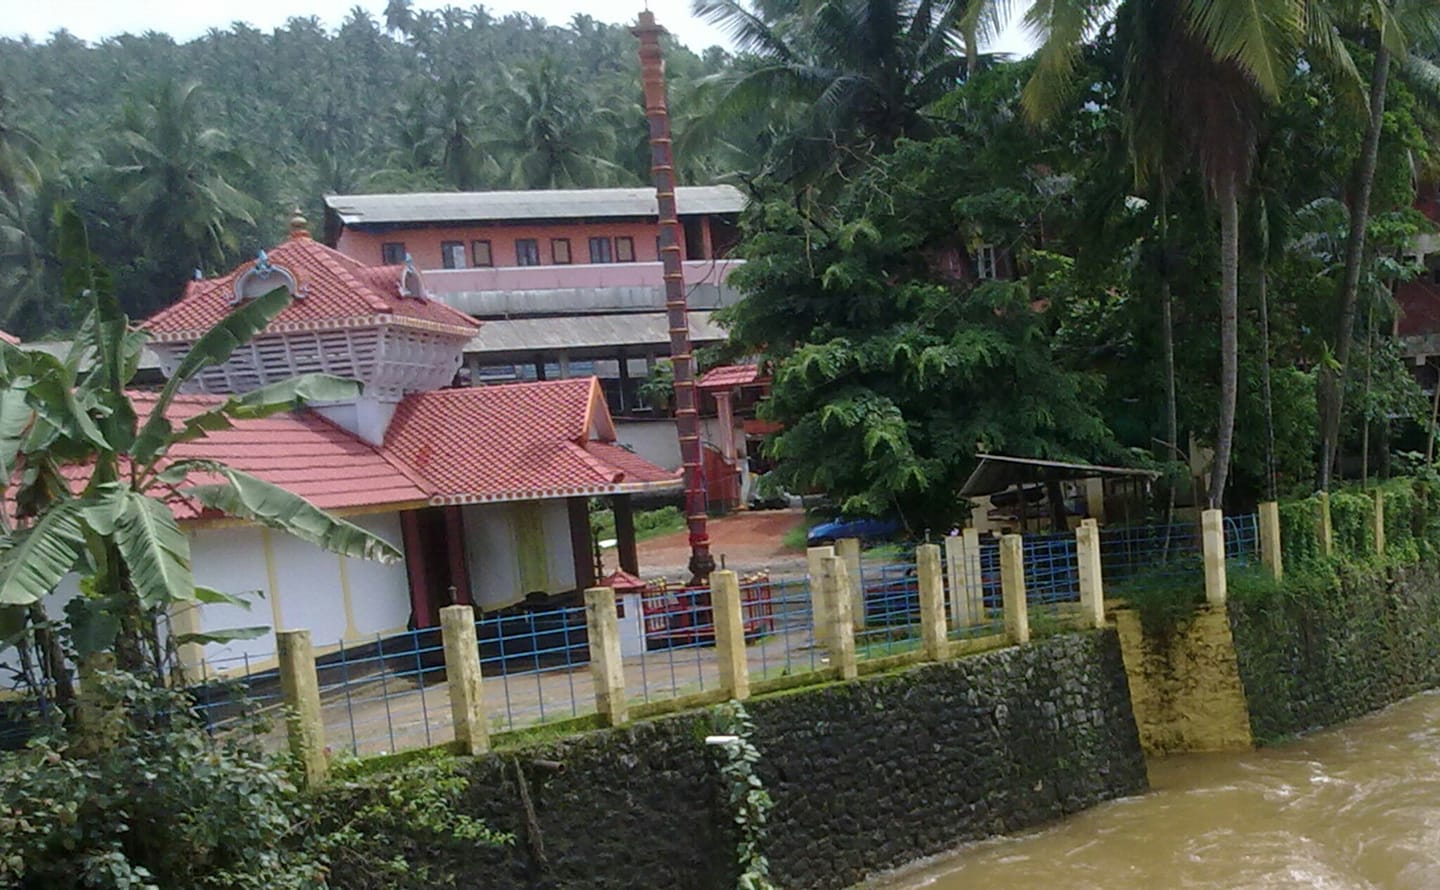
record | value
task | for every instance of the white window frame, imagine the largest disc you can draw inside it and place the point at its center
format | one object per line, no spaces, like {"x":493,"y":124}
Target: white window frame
{"x":987,"y":262}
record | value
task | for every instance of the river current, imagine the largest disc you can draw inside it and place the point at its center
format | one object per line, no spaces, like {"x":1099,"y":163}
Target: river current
{"x":1353,"y":807}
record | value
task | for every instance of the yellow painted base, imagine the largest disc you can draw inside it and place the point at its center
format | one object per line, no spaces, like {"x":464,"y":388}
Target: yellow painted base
{"x":1185,"y":685}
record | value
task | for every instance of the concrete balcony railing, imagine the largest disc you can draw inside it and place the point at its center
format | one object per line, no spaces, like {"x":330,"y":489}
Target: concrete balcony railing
{"x":578,"y":288}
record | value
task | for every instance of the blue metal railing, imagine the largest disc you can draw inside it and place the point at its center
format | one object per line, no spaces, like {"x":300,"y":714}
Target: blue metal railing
{"x":1052,"y":571}
{"x":679,"y":639}
{"x":535,"y":666}
{"x":890,"y":596}
{"x":779,"y":624}
{"x":381,"y":696}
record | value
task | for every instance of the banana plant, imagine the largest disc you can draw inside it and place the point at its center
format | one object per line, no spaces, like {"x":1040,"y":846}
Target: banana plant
{"x":88,"y":481}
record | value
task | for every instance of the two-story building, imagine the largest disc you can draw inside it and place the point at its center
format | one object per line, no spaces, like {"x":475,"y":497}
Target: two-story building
{"x":568,"y":283}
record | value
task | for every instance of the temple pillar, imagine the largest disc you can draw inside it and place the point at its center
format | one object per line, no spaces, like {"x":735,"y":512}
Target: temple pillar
{"x":723,"y":404}
{"x":582,"y":543}
{"x":625,"y":534}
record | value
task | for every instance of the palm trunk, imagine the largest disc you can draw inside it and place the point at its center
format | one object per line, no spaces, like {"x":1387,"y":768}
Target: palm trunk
{"x":1167,"y":339}
{"x":1229,"y":334}
{"x":1332,"y":390}
{"x":1265,"y":394}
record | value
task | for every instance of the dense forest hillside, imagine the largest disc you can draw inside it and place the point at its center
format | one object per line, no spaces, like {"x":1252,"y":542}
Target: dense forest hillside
{"x":187,"y":156}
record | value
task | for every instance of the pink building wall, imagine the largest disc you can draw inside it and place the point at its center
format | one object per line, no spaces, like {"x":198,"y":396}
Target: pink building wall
{"x":423,"y":242}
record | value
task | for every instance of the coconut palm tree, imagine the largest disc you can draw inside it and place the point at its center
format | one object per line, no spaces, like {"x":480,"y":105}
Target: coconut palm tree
{"x":1199,"y":74}
{"x":551,"y":135}
{"x":849,"y":77}
{"x":174,"y":177}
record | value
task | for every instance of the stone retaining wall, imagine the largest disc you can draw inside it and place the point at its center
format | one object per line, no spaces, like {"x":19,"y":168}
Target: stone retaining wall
{"x":865,"y":775}
{"x":1337,"y":651}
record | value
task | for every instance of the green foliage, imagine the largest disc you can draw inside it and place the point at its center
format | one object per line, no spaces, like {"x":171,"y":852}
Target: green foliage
{"x":414,"y":806}
{"x":745,"y":792}
{"x":891,"y":372}
{"x":161,"y":804}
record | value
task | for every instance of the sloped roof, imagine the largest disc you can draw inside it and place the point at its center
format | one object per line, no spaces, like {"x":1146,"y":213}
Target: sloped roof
{"x":335,"y":291}
{"x":10,"y":338}
{"x":729,"y":376}
{"x":517,"y":441}
{"x":436,"y":207}
{"x":301,"y":452}
{"x":523,"y":441}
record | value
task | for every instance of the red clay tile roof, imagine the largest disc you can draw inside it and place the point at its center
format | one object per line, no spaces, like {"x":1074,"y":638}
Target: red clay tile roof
{"x":10,"y":338}
{"x":500,"y":443}
{"x":337,"y":291}
{"x":301,"y":452}
{"x":515,"y":442}
{"x":729,"y":376}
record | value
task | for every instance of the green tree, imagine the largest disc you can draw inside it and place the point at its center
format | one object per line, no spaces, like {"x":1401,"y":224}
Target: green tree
{"x":893,"y":371}
{"x":845,"y":79}
{"x":1210,"y":66}
{"x":174,"y":179}
{"x":549,"y":134}
{"x":1393,"y":27}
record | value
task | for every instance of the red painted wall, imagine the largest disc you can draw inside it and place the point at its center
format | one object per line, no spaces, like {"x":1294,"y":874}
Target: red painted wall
{"x":423,"y":242}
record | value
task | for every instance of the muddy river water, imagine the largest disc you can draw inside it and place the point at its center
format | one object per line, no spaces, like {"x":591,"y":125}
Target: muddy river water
{"x":1353,"y":807}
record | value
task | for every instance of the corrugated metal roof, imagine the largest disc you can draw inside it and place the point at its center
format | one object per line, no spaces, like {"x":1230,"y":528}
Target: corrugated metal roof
{"x":997,"y":472}
{"x":587,"y":332}
{"x":428,"y":207}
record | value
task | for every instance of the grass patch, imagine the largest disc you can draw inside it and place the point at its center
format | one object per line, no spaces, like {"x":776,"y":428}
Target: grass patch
{"x":796,"y":537}
{"x":648,"y":523}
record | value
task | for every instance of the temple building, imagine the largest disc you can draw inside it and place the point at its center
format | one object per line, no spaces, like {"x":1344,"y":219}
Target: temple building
{"x":485,"y":489}
{"x":567,"y":281}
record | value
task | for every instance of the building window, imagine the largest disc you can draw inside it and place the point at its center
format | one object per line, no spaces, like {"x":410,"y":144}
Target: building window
{"x":452,"y":254}
{"x":560,"y":251}
{"x":624,"y":250}
{"x":527,"y":252}
{"x":392,"y":253}
{"x":600,"y":251}
{"x":986,"y":265}
{"x":480,"y":253}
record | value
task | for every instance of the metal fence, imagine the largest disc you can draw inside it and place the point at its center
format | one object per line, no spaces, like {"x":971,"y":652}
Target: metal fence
{"x":780,"y":628}
{"x":391,"y":694}
{"x":1052,"y":570}
{"x":679,"y":657}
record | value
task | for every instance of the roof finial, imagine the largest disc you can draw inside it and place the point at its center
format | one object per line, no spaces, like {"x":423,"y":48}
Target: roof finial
{"x":299,"y":225}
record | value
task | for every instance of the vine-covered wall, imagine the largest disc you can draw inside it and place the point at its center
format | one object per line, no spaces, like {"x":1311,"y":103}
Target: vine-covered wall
{"x":864,"y":775}
{"x":1324,"y":646}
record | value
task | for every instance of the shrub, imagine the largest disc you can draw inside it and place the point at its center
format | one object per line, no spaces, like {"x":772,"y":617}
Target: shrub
{"x":159,"y":804}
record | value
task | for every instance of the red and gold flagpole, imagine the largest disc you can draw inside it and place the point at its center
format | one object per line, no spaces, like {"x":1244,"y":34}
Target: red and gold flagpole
{"x":682,"y":359}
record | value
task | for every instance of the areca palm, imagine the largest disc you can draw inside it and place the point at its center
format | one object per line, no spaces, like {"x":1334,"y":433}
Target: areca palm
{"x":1198,"y":74}
{"x":1393,"y":27}
{"x":850,"y":77}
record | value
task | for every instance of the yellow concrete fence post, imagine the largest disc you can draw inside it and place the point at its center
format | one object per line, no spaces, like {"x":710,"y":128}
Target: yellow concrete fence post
{"x":1270,"y":553}
{"x":848,"y":549}
{"x":462,"y":675}
{"x":835,"y":584}
{"x":300,"y":690}
{"x":1379,"y":523}
{"x":932,"y":601}
{"x":606,"y":667}
{"x":955,"y":580}
{"x":1212,"y":546}
{"x":730,"y":634}
{"x":1092,"y":586}
{"x":1324,"y":527}
{"x":1012,"y":586}
{"x":819,"y":606}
